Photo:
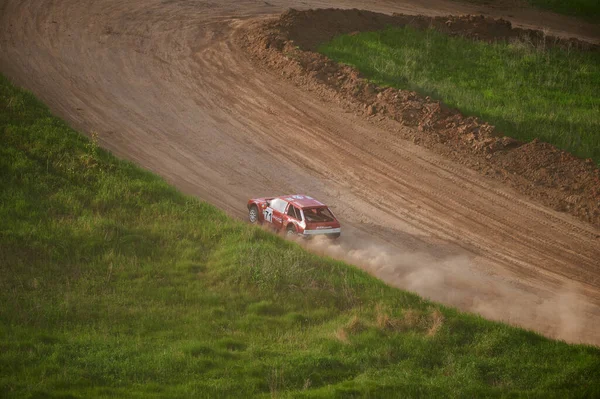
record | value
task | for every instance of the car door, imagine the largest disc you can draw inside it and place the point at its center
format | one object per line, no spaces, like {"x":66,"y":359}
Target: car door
{"x":279,"y":206}
{"x":268,"y":214}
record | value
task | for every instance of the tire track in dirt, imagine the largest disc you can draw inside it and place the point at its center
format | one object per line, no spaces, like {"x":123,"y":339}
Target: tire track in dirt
{"x":165,"y":85}
{"x":458,"y":201}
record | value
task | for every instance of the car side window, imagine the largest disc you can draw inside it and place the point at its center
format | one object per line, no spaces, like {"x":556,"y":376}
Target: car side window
{"x":282,"y":206}
{"x":291,"y":212}
{"x":274,"y":204}
{"x":294,"y":212}
{"x":279,"y":205}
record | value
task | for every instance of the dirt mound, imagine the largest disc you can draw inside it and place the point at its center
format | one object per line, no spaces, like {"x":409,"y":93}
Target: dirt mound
{"x":310,"y":28}
{"x":539,"y":170}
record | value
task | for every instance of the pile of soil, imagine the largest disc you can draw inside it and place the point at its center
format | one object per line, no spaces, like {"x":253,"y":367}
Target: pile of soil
{"x":550,"y":175}
{"x":308,"y":29}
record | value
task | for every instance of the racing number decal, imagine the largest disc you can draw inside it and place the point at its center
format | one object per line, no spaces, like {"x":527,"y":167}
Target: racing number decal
{"x":268,"y":214}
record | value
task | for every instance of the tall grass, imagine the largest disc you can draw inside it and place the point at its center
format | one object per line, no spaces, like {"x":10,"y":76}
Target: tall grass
{"x":114,"y":284}
{"x":527,"y":92}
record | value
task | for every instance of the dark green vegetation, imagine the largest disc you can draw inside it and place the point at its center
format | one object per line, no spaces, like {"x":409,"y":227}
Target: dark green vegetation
{"x":113,"y":284}
{"x":526,"y":92}
{"x":585,"y":9}
{"x":588,"y":9}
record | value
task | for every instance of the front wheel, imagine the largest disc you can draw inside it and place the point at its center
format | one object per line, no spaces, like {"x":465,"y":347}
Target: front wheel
{"x":253,"y":214}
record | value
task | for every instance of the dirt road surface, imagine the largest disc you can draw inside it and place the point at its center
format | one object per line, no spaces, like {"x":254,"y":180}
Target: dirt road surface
{"x":164,"y":84}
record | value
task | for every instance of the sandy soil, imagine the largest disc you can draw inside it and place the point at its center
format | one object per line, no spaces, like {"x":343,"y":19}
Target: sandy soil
{"x":165,"y":85}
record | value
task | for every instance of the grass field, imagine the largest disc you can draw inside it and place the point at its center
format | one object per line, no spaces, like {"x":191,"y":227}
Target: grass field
{"x":114,"y":284}
{"x":526,"y":92}
{"x":586,"y":9}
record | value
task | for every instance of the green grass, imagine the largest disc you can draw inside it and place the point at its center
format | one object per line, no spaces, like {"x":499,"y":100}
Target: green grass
{"x":114,"y":284}
{"x":527,"y":93}
{"x":586,"y":9}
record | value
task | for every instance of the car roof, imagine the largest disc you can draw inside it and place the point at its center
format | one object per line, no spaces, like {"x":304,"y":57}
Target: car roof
{"x":301,"y":201}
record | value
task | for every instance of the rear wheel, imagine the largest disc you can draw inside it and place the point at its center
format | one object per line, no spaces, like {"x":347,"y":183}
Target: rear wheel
{"x":253,"y":214}
{"x":290,"y":231}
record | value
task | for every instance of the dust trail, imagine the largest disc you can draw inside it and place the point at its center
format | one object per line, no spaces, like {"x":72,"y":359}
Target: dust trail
{"x":455,"y":281}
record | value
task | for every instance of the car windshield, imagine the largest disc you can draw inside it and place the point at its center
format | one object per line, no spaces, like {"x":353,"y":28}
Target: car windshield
{"x":321,"y":214}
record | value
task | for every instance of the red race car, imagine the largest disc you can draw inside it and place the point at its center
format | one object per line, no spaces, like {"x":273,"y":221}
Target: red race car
{"x":295,"y":215}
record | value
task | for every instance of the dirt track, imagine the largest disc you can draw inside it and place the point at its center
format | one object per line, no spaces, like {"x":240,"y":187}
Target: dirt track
{"x":164,"y":84}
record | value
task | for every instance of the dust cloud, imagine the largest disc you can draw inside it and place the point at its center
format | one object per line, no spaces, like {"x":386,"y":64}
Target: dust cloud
{"x":456,"y":281}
